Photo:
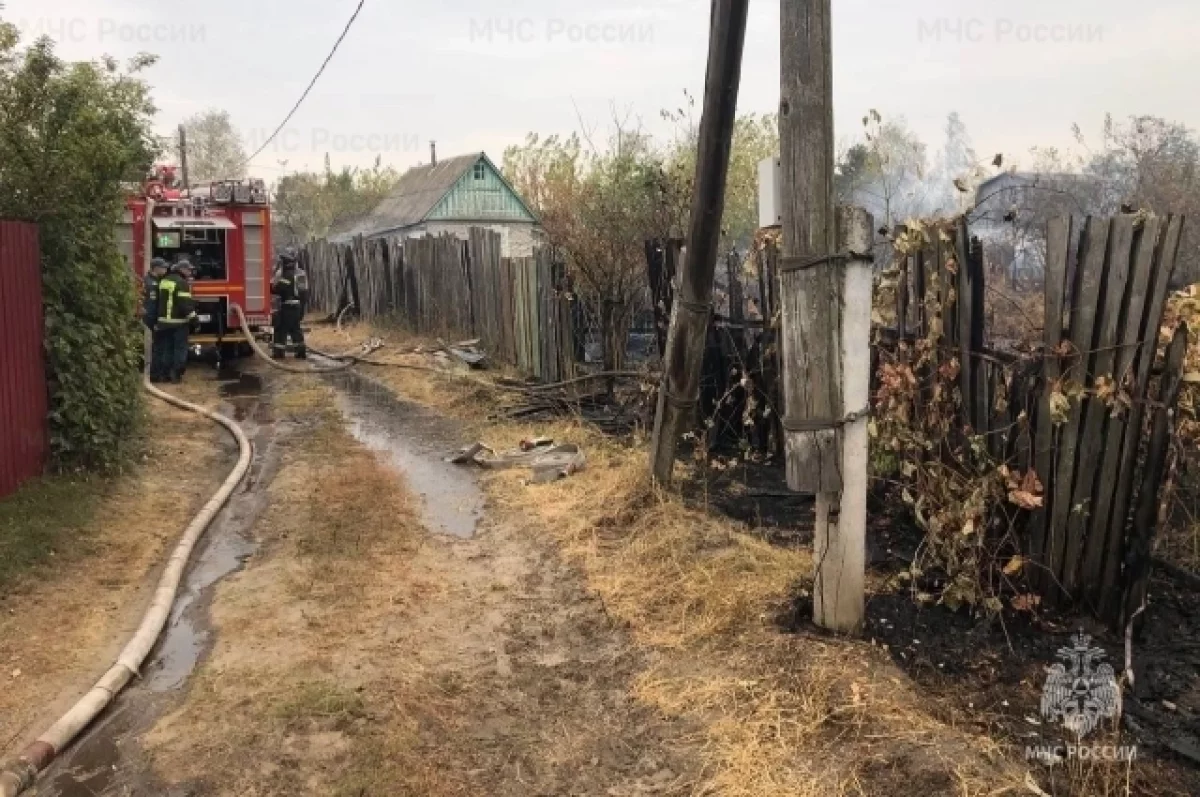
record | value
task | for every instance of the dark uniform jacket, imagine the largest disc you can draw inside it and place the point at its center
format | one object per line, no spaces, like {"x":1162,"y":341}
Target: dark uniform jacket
{"x":175,"y":304}
{"x":286,"y":287}
{"x":150,"y":300}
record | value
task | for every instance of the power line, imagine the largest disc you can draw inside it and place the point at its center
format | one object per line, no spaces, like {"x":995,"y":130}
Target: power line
{"x":312,"y":83}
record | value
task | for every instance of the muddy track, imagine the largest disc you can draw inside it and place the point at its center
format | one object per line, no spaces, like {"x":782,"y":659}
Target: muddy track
{"x":472,"y":660}
{"x":106,"y":759}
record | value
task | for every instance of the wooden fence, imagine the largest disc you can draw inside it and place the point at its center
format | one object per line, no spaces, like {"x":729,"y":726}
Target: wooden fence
{"x":449,"y":287}
{"x":1082,"y":409}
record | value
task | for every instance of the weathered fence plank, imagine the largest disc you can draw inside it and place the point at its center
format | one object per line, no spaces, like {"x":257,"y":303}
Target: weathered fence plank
{"x":1163,"y":266}
{"x":1058,"y":246}
{"x":1085,"y":297}
{"x":1114,"y":277}
{"x":447,"y":286}
{"x":1137,"y":578}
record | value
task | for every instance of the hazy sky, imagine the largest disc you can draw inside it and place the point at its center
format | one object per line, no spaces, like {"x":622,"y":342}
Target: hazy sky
{"x":479,"y":75}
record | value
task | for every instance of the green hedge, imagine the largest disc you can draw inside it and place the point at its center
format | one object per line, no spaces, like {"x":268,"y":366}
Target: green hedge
{"x":70,"y":135}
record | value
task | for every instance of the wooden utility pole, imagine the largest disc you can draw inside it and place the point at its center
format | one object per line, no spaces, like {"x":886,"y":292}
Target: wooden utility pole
{"x":183,"y":165}
{"x":680,"y":389}
{"x":826,"y":307}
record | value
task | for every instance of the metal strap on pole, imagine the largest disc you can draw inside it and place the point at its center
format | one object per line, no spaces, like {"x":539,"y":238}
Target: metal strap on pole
{"x":822,"y":424}
{"x":789,"y":264}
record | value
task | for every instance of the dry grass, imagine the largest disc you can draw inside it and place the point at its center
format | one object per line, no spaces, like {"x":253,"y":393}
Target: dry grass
{"x":61,"y":627}
{"x":781,"y":715}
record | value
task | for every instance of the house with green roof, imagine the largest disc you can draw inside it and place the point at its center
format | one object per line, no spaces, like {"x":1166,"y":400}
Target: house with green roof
{"x":452,"y":196}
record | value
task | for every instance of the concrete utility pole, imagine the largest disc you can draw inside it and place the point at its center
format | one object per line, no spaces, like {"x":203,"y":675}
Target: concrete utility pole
{"x":183,"y":166}
{"x":680,"y":389}
{"x":825,"y":294}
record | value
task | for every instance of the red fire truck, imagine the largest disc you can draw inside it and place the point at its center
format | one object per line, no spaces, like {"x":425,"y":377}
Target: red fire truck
{"x":224,"y":230}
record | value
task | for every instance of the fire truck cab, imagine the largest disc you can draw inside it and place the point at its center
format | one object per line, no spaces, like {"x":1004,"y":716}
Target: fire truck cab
{"x":224,"y":230}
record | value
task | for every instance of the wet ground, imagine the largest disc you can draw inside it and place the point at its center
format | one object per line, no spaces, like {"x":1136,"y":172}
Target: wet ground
{"x":107,"y":759}
{"x":416,"y":443}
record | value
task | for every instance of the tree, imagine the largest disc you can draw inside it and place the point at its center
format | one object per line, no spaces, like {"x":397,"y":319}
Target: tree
{"x":852,"y":172}
{"x":311,"y":205}
{"x":215,"y":150}
{"x":70,"y":135}
{"x":1154,"y":164}
{"x":895,"y":187}
{"x":597,"y":208}
{"x":755,"y":138}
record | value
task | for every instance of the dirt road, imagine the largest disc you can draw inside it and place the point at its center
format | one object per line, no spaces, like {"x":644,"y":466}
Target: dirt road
{"x":367,"y":620}
{"x":377,"y":641}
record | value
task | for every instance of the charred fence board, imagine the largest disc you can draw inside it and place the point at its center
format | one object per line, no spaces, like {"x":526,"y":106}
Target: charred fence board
{"x":1072,"y":410}
{"x":1137,"y":579}
{"x":1161,"y":270}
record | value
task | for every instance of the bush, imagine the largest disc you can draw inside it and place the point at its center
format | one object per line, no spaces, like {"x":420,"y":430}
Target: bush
{"x":70,"y":135}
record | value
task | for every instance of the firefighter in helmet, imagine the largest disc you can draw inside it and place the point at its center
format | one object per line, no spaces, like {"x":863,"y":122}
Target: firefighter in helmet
{"x":176,"y":314}
{"x":158,"y":353}
{"x":158,"y":270}
{"x":290,"y":285}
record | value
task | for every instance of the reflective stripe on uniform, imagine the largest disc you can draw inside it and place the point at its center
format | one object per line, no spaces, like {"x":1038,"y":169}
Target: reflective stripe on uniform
{"x":170,"y":287}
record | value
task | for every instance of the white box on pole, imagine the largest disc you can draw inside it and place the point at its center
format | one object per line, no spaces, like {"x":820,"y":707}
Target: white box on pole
{"x":770,"y":193}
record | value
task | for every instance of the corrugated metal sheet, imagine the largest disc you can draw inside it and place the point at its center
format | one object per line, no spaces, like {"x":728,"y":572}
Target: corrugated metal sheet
{"x":23,"y":404}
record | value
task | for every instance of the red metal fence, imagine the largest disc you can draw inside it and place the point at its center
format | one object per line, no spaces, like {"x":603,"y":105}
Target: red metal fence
{"x":23,"y":429}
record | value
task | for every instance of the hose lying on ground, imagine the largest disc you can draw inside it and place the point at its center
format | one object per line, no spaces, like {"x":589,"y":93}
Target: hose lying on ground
{"x":271,"y":361}
{"x":18,"y":775}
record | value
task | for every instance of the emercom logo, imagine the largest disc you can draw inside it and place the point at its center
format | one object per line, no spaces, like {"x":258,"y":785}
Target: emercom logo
{"x":1081,"y":690}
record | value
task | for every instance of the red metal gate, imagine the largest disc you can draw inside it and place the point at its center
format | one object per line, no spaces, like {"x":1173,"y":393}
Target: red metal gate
{"x":23,"y":425}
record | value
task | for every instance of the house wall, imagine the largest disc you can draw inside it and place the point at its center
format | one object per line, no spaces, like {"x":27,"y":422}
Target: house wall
{"x":486,"y":197}
{"x":516,"y":239}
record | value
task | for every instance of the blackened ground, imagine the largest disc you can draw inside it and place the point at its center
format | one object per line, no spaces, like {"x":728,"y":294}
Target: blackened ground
{"x":988,"y":674}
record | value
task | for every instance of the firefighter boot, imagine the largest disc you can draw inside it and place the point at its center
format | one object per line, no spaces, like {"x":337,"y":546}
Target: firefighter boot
{"x":301,"y":352}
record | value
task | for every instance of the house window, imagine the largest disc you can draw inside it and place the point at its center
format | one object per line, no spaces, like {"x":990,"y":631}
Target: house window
{"x":478,"y":171}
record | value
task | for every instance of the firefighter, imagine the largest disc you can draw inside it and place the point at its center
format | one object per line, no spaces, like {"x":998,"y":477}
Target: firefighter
{"x":158,"y":270}
{"x":176,"y":313}
{"x":290,"y":287}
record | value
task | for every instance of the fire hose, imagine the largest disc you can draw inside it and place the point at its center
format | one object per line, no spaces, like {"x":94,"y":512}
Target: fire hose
{"x":18,"y":775}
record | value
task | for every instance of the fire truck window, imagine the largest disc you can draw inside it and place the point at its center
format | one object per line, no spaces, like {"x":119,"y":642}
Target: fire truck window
{"x":204,"y":248}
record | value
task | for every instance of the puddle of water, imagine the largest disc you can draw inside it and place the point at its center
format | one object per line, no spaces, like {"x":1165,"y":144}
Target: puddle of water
{"x":240,"y":384}
{"x":415,"y":442}
{"x":185,"y":637}
{"x":93,"y":767}
{"x":97,"y":764}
